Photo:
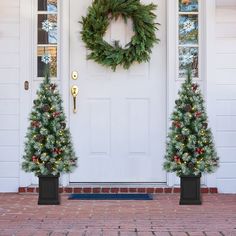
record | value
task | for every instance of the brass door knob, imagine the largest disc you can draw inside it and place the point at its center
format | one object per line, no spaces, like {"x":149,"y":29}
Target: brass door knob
{"x":74,"y":93}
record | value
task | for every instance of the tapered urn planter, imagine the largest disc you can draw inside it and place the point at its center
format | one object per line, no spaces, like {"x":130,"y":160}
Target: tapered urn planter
{"x":190,"y":190}
{"x":49,"y":190}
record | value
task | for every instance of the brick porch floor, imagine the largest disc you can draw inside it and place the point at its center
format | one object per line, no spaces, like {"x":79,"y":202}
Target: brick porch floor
{"x":21,"y":216}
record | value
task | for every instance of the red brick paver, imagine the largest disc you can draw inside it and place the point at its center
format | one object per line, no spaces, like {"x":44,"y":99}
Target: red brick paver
{"x":21,"y":216}
{"x":34,"y":189}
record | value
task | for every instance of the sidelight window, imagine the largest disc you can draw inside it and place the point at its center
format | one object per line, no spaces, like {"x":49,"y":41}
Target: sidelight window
{"x":188,"y":37}
{"x":47,"y":36}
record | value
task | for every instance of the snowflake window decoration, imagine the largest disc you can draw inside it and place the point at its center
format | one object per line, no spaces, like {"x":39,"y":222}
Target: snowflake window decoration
{"x":47,"y":38}
{"x":47,"y":26}
{"x":188,"y":26}
{"x":46,"y":58}
{"x":188,"y":37}
{"x":187,"y":59}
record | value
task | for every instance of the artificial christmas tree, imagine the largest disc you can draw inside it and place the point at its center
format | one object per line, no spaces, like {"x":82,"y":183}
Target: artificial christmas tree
{"x":190,"y":148}
{"x":48,"y":146}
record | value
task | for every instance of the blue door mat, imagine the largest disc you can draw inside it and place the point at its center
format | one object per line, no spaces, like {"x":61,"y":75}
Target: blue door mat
{"x":110,"y":197}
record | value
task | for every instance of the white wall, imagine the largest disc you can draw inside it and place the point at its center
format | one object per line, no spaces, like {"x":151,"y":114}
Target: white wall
{"x":225,"y":94}
{"x":9,"y":94}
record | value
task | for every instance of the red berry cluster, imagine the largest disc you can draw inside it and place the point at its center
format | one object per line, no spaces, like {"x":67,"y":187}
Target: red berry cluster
{"x":57,"y":151}
{"x":34,"y":159}
{"x":198,"y":114}
{"x":177,"y":159}
{"x":194,"y":87}
{"x":176,"y":124}
{"x":56,"y":114}
{"x":199,"y":151}
{"x":35,"y":124}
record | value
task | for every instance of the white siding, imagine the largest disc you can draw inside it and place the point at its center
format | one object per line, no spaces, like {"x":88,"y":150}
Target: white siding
{"x":9,"y":95}
{"x":225,"y":94}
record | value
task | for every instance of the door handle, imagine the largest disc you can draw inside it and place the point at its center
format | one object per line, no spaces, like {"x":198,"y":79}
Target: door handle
{"x":74,"y":93}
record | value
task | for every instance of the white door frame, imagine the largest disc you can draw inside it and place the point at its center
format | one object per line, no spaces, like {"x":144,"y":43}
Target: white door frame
{"x":171,"y":23}
{"x":64,"y":17}
{"x":65,"y":64}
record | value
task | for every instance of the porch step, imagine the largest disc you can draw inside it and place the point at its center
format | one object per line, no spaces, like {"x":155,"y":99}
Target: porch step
{"x":114,"y":190}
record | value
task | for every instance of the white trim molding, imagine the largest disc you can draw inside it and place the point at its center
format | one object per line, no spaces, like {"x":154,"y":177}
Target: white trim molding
{"x":171,"y":66}
{"x":209,"y":15}
{"x":64,"y":13}
{"x":26,"y":52}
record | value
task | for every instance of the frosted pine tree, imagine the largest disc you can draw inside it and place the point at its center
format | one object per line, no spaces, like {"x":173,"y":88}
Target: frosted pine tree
{"x":48,"y":146}
{"x":190,"y":148}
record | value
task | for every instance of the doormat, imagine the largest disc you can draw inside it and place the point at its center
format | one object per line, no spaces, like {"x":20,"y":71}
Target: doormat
{"x":110,"y":197}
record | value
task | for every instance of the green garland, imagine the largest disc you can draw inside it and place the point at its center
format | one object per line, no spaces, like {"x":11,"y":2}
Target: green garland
{"x":95,"y":24}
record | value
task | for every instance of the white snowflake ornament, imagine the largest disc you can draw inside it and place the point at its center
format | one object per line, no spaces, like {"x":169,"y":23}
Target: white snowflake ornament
{"x":188,"y":26}
{"x":187,"y":59}
{"x":47,"y":26}
{"x":46,"y":58}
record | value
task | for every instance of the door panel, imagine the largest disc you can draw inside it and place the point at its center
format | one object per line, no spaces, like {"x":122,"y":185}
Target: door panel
{"x":120,"y":127}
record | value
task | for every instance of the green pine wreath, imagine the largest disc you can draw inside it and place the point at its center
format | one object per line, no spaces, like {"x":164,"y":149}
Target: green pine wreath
{"x":95,"y":25}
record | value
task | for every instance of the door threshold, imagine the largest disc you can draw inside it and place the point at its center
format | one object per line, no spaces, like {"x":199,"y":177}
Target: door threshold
{"x":118,"y":185}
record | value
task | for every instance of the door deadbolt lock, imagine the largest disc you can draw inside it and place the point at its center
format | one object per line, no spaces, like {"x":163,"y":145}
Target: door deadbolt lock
{"x":74,"y":75}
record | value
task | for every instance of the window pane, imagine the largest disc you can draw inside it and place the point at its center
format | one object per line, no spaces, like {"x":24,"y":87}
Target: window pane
{"x":51,"y":52}
{"x":47,"y":29}
{"x":188,"y":29}
{"x":47,"y":5}
{"x":188,"y":57}
{"x":188,"y":5}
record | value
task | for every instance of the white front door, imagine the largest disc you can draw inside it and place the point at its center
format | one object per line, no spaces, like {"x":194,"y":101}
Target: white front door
{"x":120,"y":127}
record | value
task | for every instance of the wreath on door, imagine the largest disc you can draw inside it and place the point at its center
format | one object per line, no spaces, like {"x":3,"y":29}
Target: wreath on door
{"x":95,"y":24}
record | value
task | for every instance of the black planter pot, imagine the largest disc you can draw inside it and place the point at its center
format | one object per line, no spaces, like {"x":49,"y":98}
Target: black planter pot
{"x":48,"y":190}
{"x":190,"y":190}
